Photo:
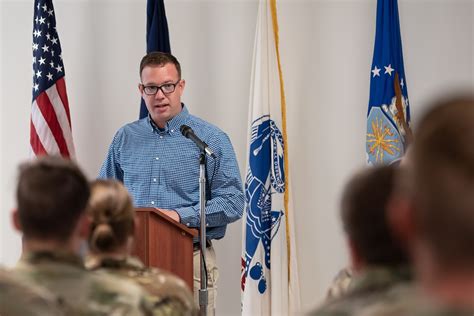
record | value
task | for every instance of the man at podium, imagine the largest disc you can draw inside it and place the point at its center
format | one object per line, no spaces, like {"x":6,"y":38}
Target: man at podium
{"x":160,"y":167}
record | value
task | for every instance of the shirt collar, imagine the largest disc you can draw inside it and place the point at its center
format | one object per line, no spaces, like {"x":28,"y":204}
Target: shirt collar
{"x":381,"y":277}
{"x":94,"y":262}
{"x":172,"y":125}
{"x":35,"y":257}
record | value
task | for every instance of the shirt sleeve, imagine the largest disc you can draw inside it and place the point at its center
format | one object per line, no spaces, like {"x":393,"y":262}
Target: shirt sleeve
{"x":225,"y":201}
{"x":111,"y":166}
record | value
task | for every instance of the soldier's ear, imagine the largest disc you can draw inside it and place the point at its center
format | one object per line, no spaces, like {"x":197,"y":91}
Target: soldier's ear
{"x":135,"y":224}
{"x":400,"y":214}
{"x":357,"y":263}
{"x":84,"y":225}
{"x":16,"y":220}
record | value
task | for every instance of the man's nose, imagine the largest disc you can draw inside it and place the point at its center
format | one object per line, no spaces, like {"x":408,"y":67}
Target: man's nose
{"x":160,"y":95}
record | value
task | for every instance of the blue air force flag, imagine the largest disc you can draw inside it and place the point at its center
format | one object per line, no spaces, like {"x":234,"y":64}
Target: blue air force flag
{"x":269,"y":281}
{"x":388,"y":117}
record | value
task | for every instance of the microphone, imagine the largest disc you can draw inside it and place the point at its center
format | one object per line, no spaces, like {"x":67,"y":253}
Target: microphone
{"x":189,"y":133}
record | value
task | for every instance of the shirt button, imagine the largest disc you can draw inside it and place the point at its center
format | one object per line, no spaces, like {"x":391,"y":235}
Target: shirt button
{"x":161,"y":136}
{"x":157,"y":158}
{"x":154,"y":179}
{"x":187,"y":224}
{"x":172,"y":131}
{"x":152,"y":202}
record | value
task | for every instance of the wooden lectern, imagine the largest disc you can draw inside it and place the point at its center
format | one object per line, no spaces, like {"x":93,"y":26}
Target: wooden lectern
{"x":164,"y":243}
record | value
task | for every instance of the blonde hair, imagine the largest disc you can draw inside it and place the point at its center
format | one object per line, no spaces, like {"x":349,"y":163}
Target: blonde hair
{"x":111,"y":214}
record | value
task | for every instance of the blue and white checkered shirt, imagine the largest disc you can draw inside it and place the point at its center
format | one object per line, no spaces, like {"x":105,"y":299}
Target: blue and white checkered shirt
{"x":160,"y":168}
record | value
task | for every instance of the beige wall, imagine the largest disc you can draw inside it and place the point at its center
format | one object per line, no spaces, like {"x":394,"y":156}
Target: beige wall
{"x":326,"y":48}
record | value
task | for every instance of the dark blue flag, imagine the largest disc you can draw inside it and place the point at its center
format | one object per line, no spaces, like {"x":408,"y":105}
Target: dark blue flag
{"x":157,"y":35}
{"x":388,"y":116}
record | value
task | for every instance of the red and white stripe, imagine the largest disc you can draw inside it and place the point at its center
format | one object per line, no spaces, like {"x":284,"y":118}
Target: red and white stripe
{"x":50,"y":128}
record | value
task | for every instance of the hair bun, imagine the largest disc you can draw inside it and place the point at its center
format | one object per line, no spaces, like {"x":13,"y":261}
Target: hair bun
{"x":103,"y":238}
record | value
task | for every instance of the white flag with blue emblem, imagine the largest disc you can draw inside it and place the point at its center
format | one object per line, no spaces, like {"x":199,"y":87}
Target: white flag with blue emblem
{"x":269,"y":281}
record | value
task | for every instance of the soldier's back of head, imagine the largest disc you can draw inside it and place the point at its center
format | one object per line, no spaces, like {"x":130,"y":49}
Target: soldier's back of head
{"x":443,"y":201}
{"x":443,"y":181}
{"x":112,"y":229}
{"x":380,"y":262}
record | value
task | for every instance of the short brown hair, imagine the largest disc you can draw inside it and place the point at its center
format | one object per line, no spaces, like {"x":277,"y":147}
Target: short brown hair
{"x":443,"y":180}
{"x":112,"y":215}
{"x":364,"y":216}
{"x":52,"y":193}
{"x":159,"y":59}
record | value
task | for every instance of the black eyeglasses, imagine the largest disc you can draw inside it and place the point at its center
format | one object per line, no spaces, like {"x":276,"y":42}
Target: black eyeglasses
{"x":166,"y":88}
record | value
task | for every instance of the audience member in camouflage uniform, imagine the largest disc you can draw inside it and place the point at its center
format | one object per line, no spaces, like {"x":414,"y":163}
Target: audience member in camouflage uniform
{"x":435,"y":200}
{"x":111,"y":237}
{"x":380,"y":263}
{"x":52,"y":196}
{"x":19,"y":298}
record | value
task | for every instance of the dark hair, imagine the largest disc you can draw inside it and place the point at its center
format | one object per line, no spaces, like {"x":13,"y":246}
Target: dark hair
{"x":112,"y":215}
{"x":52,"y":193}
{"x":364,"y":216}
{"x":159,"y":59}
{"x":443,"y":180}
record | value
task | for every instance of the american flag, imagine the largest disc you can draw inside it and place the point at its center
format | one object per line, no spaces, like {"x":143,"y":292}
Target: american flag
{"x":50,"y":128}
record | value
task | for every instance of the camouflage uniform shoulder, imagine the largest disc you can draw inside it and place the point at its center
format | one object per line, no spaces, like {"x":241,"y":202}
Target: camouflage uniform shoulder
{"x":340,"y":284}
{"x":20,"y":298}
{"x":167,"y":294}
{"x":414,"y":303}
{"x":376,"y":286}
{"x":86,"y":293}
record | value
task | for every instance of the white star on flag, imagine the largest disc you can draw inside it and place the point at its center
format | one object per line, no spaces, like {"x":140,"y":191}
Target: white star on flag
{"x":376,"y":72}
{"x":389,"y":69}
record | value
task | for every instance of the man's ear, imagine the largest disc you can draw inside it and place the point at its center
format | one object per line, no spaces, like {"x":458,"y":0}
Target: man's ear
{"x":16,"y":220}
{"x":357,"y":263}
{"x":84,"y":226}
{"x":181,"y":86}
{"x":401,"y":219}
{"x":135,"y":224}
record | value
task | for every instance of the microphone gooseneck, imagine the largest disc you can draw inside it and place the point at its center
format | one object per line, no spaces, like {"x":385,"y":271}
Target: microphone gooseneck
{"x":189,"y":133}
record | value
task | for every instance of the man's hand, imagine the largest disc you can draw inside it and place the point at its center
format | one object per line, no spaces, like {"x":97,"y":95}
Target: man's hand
{"x":170,"y":213}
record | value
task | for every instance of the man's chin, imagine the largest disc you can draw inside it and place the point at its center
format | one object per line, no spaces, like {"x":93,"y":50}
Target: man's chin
{"x":160,"y":119}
